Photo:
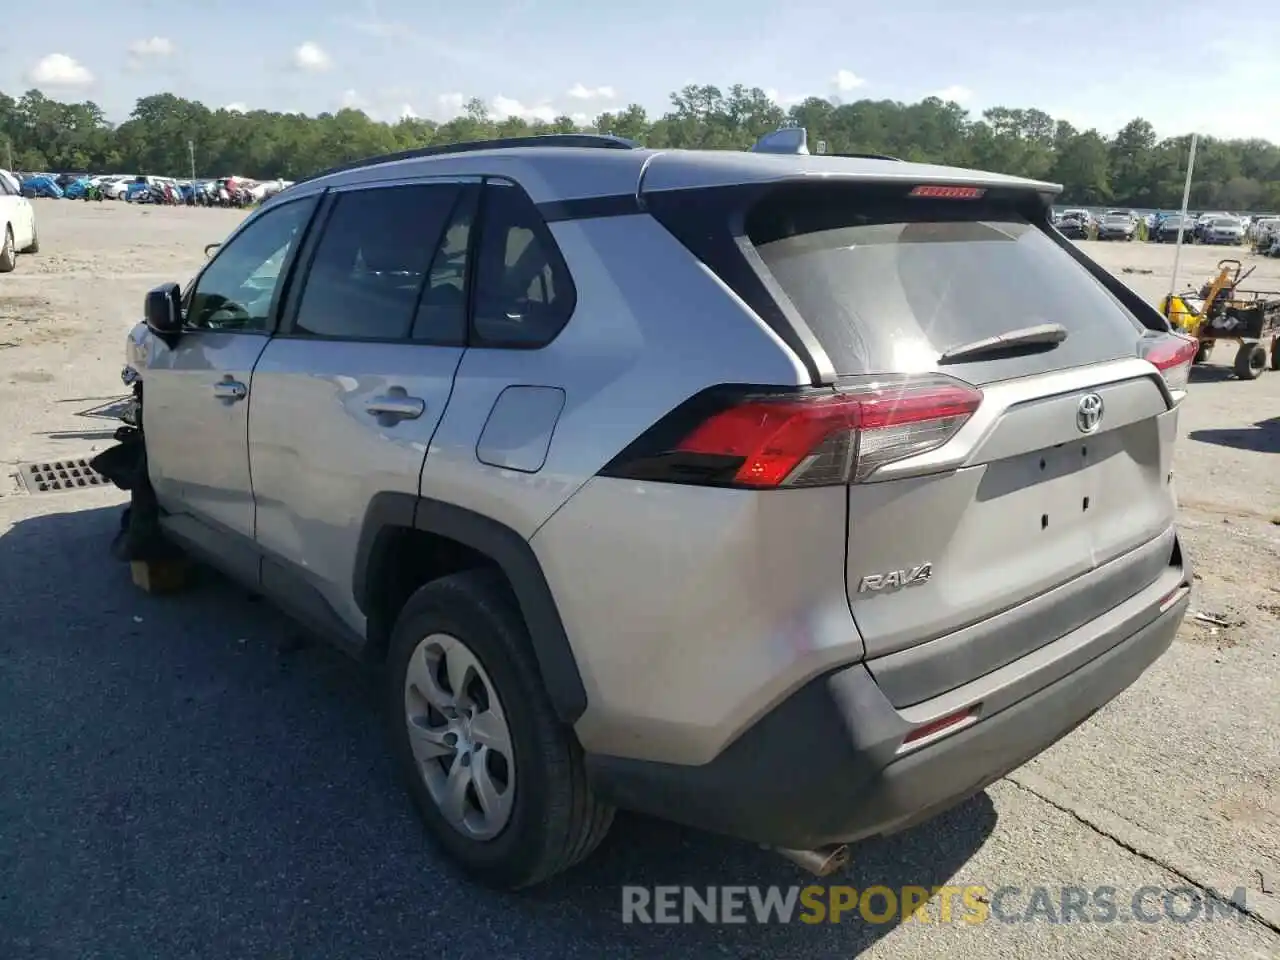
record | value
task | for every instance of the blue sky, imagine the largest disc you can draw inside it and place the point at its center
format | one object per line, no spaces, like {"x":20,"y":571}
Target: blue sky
{"x":1093,"y":62}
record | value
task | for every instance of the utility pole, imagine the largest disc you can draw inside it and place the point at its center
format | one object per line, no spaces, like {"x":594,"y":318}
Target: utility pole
{"x":191,"y":150}
{"x":8,"y":147}
{"x":1182,"y":220}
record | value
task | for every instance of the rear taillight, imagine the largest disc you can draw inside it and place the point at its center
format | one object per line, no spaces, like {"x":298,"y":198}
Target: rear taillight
{"x":1173,"y":355}
{"x":763,"y":441}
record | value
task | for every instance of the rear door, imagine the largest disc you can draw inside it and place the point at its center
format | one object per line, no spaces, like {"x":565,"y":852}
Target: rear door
{"x":1063,"y":467}
{"x":347,"y":398}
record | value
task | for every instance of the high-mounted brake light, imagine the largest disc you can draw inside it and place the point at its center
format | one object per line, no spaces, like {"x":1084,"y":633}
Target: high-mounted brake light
{"x":941,"y":192}
{"x":765,"y":442}
{"x":1173,"y":356}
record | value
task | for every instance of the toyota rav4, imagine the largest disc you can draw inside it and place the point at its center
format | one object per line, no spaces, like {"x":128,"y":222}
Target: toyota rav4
{"x":791,"y":497}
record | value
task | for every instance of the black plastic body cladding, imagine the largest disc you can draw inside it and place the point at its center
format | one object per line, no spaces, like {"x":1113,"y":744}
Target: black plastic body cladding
{"x":389,"y":514}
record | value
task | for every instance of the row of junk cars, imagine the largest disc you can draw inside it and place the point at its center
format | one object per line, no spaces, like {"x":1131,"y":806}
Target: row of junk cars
{"x":138,"y":188}
{"x":1261,"y":233}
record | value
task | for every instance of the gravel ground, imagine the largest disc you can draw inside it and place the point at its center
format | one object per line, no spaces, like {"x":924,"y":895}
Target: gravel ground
{"x":188,"y":777}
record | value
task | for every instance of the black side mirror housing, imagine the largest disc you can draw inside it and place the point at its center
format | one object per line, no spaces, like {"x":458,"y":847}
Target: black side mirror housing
{"x":163,"y":309}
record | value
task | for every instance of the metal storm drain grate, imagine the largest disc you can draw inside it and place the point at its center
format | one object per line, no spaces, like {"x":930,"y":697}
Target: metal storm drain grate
{"x":55,"y":476}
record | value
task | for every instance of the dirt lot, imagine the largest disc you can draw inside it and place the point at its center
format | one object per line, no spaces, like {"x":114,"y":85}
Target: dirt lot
{"x":182,"y":777}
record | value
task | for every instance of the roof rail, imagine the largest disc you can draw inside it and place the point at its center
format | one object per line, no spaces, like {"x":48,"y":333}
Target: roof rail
{"x":597,"y":141}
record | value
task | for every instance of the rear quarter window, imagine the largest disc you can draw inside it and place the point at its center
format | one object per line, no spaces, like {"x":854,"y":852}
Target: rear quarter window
{"x":888,"y":285}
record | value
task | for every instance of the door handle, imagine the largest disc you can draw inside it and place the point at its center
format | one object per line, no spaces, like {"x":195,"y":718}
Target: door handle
{"x":228,"y":389}
{"x":396,"y":406}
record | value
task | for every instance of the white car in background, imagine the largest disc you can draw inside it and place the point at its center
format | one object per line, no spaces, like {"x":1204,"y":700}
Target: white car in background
{"x":18,"y":222}
{"x":117,"y":185}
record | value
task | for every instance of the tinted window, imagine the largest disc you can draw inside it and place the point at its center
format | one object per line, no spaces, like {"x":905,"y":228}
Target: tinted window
{"x":236,"y":290}
{"x":523,"y":294}
{"x":442,"y":313}
{"x":887,"y":285}
{"x":372,"y":261}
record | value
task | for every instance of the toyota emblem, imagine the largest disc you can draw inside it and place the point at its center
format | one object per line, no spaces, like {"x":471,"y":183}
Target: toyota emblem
{"x":1089,"y":413}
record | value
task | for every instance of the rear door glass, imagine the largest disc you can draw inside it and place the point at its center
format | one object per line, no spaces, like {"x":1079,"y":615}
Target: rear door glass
{"x":888,"y":286}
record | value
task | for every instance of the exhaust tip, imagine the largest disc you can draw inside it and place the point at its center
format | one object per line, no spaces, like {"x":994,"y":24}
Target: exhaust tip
{"x":821,"y":862}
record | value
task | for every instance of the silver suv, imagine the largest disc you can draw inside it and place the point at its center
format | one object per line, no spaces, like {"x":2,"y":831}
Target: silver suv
{"x":791,"y":497}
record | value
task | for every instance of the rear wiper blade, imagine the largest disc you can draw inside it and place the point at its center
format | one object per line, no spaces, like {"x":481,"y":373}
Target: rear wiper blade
{"x":1047,"y":335}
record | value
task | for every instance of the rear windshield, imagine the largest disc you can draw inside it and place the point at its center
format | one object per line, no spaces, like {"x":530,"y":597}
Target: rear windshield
{"x":888,"y":286}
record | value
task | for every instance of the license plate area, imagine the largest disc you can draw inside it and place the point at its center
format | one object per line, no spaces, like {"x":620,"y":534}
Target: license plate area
{"x":1047,"y":494}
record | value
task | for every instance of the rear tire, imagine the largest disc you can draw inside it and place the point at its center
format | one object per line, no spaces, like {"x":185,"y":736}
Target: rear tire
{"x":1203,"y":352}
{"x":1251,"y":360}
{"x":8,"y":256}
{"x":551,"y":819}
{"x":1275,"y":353}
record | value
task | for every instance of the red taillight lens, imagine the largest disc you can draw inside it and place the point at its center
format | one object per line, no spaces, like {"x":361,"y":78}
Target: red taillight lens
{"x":941,"y":192}
{"x":1173,"y":356}
{"x":794,"y":441}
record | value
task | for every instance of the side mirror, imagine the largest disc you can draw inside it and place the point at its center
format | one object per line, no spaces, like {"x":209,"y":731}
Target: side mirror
{"x":163,"y":309}
{"x":209,"y":248}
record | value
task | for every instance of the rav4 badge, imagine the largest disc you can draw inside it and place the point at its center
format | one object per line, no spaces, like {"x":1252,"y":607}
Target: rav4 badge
{"x":896,"y":579}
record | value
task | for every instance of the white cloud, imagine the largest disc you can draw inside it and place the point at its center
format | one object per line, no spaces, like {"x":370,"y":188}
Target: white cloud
{"x":449,"y":105}
{"x":311,"y":58}
{"x":351,"y":100}
{"x":785,"y":99}
{"x":580,"y":92}
{"x":59,"y":70}
{"x":152,"y":47}
{"x":236,"y":107}
{"x":846,"y":80}
{"x":955,"y":92}
{"x":407,"y":112}
{"x":504,"y":108}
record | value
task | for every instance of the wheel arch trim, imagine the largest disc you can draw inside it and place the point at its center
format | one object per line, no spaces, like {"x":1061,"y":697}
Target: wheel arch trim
{"x":390,"y":513}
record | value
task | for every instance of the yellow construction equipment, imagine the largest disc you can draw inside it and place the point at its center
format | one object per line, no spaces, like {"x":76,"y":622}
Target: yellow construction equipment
{"x":1220,"y":310}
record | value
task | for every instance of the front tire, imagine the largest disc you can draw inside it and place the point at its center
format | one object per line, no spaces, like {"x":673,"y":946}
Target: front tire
{"x":498,"y":779}
{"x":8,"y":256}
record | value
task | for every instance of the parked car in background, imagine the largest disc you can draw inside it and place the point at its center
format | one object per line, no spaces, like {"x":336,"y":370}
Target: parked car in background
{"x":1203,"y":220}
{"x":18,"y":222}
{"x":1074,"y":224}
{"x":1166,"y":230}
{"x":1262,"y":232}
{"x":115,"y":187}
{"x":1118,"y":225}
{"x":1223,"y":230}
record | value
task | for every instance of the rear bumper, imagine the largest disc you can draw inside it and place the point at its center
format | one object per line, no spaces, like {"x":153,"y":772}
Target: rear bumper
{"x":828,"y":764}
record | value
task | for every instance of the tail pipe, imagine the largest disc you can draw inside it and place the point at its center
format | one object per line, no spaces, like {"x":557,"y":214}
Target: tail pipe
{"x":821,"y":862}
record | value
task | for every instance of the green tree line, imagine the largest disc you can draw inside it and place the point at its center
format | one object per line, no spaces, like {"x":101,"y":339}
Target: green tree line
{"x":1132,"y":168}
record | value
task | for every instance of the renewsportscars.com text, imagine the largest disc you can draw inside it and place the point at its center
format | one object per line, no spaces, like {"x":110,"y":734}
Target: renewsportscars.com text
{"x":971,"y":904}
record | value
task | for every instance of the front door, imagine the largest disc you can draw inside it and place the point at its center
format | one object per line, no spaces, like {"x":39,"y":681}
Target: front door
{"x":347,"y":397}
{"x":196,"y":392}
